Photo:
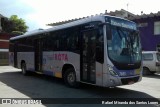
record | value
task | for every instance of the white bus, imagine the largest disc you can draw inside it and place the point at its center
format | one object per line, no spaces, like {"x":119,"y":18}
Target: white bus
{"x":99,"y":50}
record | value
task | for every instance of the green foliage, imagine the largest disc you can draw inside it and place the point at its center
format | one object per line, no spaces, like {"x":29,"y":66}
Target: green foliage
{"x":14,"y":25}
{"x":18,"y":24}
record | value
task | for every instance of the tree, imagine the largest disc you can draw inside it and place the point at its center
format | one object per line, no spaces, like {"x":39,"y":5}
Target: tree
{"x":18,"y":24}
{"x":14,"y":25}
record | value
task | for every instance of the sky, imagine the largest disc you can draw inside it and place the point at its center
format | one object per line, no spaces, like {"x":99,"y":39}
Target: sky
{"x":38,"y":13}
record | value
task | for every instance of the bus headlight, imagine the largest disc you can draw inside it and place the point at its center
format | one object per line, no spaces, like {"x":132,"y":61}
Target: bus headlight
{"x":111,"y":71}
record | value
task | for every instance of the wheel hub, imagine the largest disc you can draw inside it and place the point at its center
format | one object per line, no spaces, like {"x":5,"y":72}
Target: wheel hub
{"x":71,"y":78}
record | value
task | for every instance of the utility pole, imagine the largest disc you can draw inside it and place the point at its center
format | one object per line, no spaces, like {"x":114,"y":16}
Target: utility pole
{"x":127,"y":6}
{"x":127,"y":9}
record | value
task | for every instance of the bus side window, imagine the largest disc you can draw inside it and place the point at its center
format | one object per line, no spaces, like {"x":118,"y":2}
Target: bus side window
{"x":72,"y":39}
{"x":55,"y":45}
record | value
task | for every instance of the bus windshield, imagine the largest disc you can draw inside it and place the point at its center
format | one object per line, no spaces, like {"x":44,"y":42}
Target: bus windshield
{"x":124,"y":46}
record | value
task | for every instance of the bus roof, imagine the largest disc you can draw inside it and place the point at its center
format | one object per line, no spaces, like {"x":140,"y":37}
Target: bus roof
{"x":66,"y":25}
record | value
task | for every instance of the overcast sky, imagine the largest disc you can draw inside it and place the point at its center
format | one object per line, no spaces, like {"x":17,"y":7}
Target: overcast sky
{"x":38,"y":13}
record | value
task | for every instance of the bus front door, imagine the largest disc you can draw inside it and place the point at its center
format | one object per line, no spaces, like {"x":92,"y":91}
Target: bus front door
{"x":38,"y":55}
{"x":88,"y":55}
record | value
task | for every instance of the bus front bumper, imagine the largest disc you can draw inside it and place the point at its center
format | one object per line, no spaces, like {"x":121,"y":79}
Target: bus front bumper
{"x":112,"y":81}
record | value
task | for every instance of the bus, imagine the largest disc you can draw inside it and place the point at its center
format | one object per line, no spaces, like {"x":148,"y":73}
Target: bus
{"x":100,"y":50}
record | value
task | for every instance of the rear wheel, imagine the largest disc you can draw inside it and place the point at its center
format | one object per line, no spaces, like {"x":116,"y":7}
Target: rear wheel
{"x":23,"y":67}
{"x":70,"y":78}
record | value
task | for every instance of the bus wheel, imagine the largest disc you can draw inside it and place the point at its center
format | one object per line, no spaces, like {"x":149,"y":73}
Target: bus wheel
{"x":70,"y":78}
{"x":23,"y":67}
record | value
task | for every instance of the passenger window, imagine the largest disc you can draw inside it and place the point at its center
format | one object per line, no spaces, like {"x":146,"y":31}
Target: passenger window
{"x":147,"y":57}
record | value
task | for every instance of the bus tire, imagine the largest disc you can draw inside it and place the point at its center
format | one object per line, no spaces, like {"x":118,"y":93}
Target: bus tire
{"x":23,"y":67}
{"x":70,"y":78}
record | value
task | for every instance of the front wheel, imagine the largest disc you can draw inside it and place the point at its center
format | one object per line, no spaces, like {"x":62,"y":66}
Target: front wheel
{"x":70,"y":78}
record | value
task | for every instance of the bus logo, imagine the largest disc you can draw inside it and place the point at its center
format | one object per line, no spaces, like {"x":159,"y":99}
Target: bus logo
{"x":60,"y":57}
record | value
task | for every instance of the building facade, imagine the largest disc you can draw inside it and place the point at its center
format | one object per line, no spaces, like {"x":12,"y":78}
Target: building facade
{"x":4,"y":48}
{"x":149,"y":27}
{"x":121,"y":13}
{"x":4,"y":43}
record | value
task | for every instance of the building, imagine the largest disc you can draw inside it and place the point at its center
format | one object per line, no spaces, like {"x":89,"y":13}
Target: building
{"x":121,"y":13}
{"x":4,"y":48}
{"x":149,"y":27}
{"x":4,"y":43}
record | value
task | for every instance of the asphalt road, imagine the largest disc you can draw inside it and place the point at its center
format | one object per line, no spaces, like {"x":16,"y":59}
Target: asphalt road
{"x":14,"y":85}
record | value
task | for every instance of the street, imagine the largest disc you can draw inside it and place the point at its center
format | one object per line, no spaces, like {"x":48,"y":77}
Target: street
{"x":14,"y":85}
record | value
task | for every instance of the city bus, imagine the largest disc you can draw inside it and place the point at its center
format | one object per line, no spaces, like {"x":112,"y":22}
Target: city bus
{"x":100,"y":50}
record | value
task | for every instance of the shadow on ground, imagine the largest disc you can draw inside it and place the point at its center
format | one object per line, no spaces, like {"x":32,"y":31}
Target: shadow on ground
{"x":41,"y":86}
{"x":153,"y":76}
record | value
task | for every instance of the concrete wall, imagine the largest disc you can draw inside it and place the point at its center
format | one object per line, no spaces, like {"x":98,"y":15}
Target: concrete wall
{"x":4,"y":40}
{"x":4,"y":45}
